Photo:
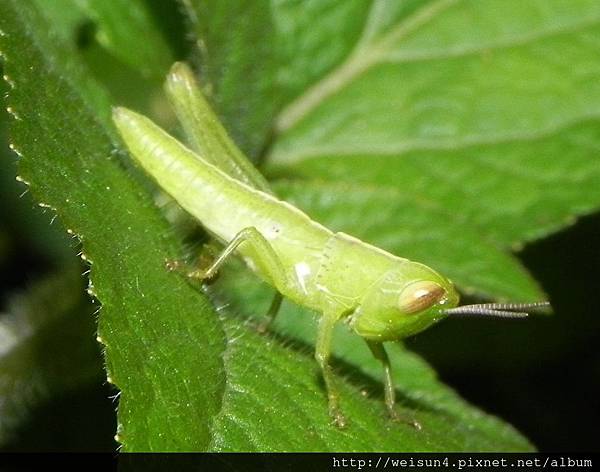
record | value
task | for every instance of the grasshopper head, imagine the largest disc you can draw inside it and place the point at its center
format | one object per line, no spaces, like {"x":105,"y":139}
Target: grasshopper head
{"x":403,"y":302}
{"x":411,"y":297}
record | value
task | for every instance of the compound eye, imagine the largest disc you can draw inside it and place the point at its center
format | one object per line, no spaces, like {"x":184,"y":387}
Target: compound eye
{"x":419,"y":296}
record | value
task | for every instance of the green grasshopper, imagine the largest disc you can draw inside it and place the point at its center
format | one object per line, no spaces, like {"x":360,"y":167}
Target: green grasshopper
{"x":382,"y":297}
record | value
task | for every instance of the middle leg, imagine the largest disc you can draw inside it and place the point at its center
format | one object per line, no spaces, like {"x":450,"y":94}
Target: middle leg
{"x":380,"y":354}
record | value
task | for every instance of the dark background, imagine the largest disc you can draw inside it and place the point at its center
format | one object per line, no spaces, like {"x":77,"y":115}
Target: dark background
{"x":541,"y":374}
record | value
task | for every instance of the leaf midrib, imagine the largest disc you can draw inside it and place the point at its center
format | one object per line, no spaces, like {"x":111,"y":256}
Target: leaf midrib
{"x":360,"y":59}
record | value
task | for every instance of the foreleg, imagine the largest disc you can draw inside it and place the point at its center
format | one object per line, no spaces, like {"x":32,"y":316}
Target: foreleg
{"x":266,"y":259}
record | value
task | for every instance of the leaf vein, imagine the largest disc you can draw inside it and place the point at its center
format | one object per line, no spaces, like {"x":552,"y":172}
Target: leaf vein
{"x":448,"y":144}
{"x":360,"y":60}
{"x":464,"y":51}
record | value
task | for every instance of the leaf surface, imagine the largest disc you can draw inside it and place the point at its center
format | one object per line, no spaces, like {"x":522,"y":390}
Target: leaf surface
{"x":155,"y":327}
{"x":128,"y":30}
{"x":238,"y":65}
{"x":189,"y":379}
{"x":477,"y":117}
{"x":292,"y":395}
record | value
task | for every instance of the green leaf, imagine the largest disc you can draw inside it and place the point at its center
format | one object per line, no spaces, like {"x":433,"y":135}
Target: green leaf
{"x":65,"y":16}
{"x":155,"y":327}
{"x":127,"y":46}
{"x":35,"y":324}
{"x":238,"y":65}
{"x":189,"y":380}
{"x":448,"y":422}
{"x":485,"y":111}
{"x":128,"y":29}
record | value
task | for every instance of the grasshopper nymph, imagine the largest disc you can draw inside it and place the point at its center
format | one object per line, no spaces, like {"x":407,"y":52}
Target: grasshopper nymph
{"x":382,"y":296}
